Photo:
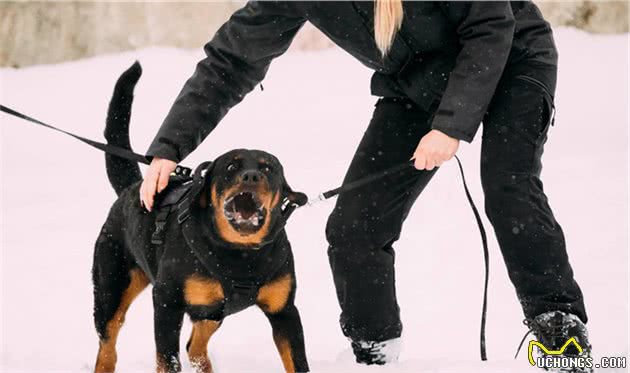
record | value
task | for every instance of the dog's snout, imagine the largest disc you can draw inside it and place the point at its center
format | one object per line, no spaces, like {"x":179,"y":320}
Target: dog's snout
{"x":251,"y":177}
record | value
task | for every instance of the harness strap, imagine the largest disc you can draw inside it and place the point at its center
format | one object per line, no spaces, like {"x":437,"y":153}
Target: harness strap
{"x":242,"y":295}
{"x":157,"y":238}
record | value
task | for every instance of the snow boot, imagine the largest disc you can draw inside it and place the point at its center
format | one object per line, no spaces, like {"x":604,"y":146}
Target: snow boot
{"x":372,"y":352}
{"x":553,"y":329}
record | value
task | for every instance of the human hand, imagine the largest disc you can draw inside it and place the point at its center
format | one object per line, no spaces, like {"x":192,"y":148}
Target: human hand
{"x":155,"y":179}
{"x":434,"y":149}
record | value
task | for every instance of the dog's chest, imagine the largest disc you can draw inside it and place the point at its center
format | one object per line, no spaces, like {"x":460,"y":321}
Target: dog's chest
{"x":210,"y":298}
{"x":215,"y":299}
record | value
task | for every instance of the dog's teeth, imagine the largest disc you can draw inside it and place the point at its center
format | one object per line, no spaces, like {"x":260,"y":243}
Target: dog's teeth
{"x":254,"y":220}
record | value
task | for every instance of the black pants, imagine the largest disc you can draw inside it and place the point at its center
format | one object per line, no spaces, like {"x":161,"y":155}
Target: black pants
{"x":366,"y":222}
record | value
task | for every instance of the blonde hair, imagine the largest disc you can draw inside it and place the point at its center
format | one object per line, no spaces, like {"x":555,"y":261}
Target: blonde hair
{"x":388,"y":17}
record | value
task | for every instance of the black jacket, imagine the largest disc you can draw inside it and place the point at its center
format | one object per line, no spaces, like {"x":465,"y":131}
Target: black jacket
{"x":448,"y":58}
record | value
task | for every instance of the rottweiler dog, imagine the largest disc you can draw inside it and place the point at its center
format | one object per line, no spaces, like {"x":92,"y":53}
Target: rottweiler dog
{"x":222,"y":248}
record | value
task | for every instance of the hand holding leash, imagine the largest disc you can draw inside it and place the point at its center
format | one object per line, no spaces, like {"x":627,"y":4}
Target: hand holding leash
{"x":434,"y":149}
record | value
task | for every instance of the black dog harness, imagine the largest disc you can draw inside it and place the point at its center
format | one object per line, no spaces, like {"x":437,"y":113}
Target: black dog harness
{"x":186,"y":187}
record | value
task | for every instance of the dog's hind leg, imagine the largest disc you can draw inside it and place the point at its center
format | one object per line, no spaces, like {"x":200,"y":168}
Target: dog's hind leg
{"x":116,"y":285}
{"x":197,"y":345}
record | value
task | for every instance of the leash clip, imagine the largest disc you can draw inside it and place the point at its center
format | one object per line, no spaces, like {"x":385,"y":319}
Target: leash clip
{"x":320,"y":197}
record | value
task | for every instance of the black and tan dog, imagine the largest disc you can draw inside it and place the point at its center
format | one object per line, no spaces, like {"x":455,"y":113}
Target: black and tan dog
{"x":223,"y":248}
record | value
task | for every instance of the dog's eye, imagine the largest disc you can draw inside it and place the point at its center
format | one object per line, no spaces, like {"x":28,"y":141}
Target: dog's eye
{"x":265,"y":168}
{"x":231,"y":167}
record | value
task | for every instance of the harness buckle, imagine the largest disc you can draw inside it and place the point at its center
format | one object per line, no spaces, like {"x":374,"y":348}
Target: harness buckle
{"x":183,"y":216}
{"x":158,"y":234}
{"x":157,"y":238}
{"x":183,"y":212}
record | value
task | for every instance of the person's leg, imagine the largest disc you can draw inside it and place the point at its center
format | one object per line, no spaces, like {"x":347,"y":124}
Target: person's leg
{"x":367,"y":221}
{"x":531,"y":240}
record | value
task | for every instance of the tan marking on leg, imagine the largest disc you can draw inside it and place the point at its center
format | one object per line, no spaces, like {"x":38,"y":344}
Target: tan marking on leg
{"x":201,"y":291}
{"x":284,"y":348}
{"x":198,"y":345}
{"x":273,"y":296}
{"x":106,"y":359}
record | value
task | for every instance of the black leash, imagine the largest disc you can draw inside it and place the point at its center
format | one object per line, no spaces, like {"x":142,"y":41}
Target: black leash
{"x":486,"y":259}
{"x":360,"y":182}
{"x":114,"y":150}
{"x":185,"y":171}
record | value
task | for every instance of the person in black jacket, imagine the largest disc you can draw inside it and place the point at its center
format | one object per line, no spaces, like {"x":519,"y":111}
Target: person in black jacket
{"x":440,"y":69}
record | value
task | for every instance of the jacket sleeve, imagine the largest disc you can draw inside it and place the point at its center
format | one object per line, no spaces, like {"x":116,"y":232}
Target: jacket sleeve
{"x":237,"y":60}
{"x":485,"y":31}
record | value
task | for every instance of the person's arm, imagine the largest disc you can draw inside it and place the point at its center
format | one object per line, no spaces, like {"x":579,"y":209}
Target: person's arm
{"x":485,"y":30}
{"x":237,"y":60}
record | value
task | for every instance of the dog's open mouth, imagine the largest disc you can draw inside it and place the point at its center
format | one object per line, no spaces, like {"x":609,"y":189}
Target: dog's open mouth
{"x":245,"y":212}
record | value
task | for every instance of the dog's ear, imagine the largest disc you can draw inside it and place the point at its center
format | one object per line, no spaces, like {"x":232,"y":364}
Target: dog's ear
{"x":298,"y":198}
{"x":202,"y":181}
{"x":204,"y":196}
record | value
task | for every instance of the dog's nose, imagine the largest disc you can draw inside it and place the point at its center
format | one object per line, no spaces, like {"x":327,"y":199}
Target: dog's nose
{"x":251,"y":177}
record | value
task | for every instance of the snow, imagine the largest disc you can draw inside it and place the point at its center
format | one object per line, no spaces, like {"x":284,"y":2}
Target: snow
{"x":55,"y":196}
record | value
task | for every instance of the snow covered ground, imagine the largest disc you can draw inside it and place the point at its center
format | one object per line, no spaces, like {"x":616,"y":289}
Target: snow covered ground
{"x":55,"y":197}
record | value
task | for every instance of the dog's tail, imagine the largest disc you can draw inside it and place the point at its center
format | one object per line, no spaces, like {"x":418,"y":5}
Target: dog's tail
{"x":122,"y":172}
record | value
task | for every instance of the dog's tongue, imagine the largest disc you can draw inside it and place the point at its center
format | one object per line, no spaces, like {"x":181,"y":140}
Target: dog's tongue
{"x":246,"y":214}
